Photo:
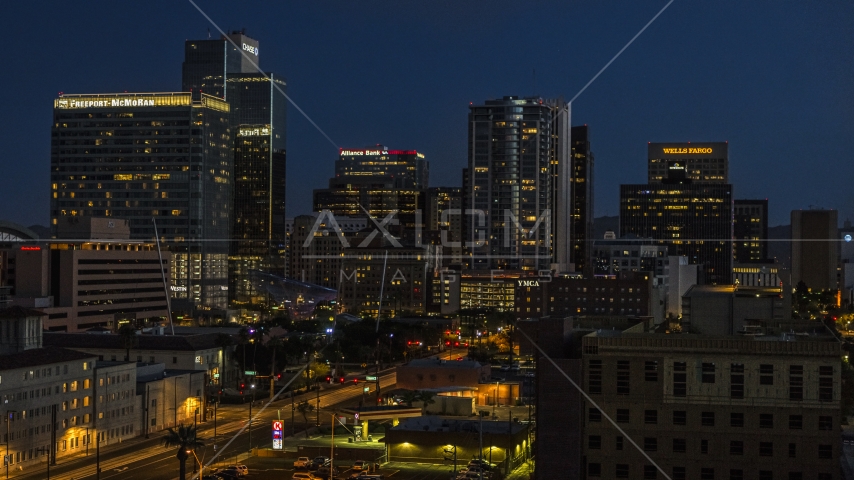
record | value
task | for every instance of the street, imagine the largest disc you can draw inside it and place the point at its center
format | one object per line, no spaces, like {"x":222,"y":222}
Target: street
{"x":147,"y":459}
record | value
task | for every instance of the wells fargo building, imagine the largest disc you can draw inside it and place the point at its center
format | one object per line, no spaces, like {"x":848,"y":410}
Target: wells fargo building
{"x":144,"y":156}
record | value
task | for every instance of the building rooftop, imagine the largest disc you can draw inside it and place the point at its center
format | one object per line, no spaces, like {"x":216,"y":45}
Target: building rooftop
{"x":739,"y":291}
{"x":435,"y":362}
{"x":41,"y":356}
{"x":20,"y":312}
{"x":143,"y":342}
{"x":432,"y":423}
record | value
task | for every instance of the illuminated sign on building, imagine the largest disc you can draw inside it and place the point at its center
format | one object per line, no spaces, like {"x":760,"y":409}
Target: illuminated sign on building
{"x":686,"y":150}
{"x":251,"y":49}
{"x":278,"y":429}
{"x":529,"y":283}
{"x":254,"y":131}
{"x":31,"y":249}
{"x":369,"y":152}
{"x":131,"y":100}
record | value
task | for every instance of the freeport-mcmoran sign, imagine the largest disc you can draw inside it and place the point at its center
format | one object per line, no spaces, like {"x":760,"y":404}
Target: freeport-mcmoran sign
{"x":99,"y":101}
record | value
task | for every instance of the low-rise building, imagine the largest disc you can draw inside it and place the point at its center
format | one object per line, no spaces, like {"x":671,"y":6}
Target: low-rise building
{"x":432,"y":439}
{"x":626,"y":294}
{"x":93,"y":277}
{"x":724,"y":309}
{"x":177,"y":352}
{"x":435,"y":373}
{"x":168,"y":397}
{"x":709,"y":407}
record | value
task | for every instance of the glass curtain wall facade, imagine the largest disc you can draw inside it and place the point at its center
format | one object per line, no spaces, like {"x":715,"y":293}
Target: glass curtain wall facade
{"x":408,"y":168}
{"x":258,"y":197}
{"x":581,"y":228}
{"x":209,"y":63}
{"x":517,"y":189}
{"x":152,"y":155}
{"x":693,"y":220}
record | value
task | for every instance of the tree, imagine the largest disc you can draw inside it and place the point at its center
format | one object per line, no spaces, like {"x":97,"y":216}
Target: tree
{"x":185,"y":439}
{"x":410,"y":396}
{"x":427,"y":398}
{"x":274,"y":345}
{"x":222,"y":341}
{"x":128,"y":334}
{"x":305,"y":408}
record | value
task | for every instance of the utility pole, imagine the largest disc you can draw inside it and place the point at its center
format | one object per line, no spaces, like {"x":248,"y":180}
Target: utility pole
{"x":293,"y":409}
{"x":9,"y":414}
{"x":250,"y":425}
{"x":47,"y":451}
{"x":147,"y":403}
{"x":94,"y":426}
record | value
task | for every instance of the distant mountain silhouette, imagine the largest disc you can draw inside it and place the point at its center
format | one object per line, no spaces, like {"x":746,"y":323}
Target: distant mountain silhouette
{"x":42,"y":232}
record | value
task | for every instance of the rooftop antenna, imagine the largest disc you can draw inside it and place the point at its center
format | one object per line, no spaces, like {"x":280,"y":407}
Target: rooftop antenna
{"x":163,"y":276}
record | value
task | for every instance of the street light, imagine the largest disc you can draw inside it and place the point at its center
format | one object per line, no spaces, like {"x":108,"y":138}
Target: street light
{"x":251,"y":387}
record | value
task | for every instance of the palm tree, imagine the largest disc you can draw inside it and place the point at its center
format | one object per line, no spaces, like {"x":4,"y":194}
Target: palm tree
{"x":410,"y":396}
{"x":427,"y":398}
{"x":128,"y":334}
{"x":185,"y":439}
{"x":305,"y":408}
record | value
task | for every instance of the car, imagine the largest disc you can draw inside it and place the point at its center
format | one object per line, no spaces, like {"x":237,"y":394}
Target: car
{"x":319,"y":462}
{"x":366,"y":476}
{"x":359,"y":465}
{"x":469,"y":476}
{"x":303,"y":476}
{"x":302,"y":462}
{"x":242,"y":470}
{"x":229,"y":473}
{"x":212,"y":477}
{"x":482,"y":464}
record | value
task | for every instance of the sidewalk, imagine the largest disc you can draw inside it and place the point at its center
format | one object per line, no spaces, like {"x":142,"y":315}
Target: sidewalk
{"x":522,"y":472}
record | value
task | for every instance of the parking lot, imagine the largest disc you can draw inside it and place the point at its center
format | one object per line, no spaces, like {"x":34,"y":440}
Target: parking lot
{"x":282,"y":468}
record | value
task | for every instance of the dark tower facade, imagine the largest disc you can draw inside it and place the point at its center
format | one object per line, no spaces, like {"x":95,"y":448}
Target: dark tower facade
{"x":209,"y":63}
{"x":581,"y":228}
{"x":258,"y":197}
{"x":750,"y":231}
{"x":693,"y":220}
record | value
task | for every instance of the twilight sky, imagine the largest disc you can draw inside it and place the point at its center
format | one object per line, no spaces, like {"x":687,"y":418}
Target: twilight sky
{"x":775,"y":79}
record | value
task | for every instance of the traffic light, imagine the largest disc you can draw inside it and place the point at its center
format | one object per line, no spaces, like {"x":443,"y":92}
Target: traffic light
{"x":341,"y":380}
{"x":328,"y":378}
{"x":355,"y":380}
{"x":278,"y":376}
{"x":447,"y":343}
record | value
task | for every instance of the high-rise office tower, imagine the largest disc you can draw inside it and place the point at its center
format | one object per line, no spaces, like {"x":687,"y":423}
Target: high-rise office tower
{"x":702,"y":162}
{"x":750,"y":231}
{"x":519,"y":188}
{"x":408,"y":168}
{"x":443,"y":221}
{"x":694,"y":219}
{"x":378,"y":182}
{"x":208,"y":64}
{"x":258,"y":197}
{"x":138,"y":156}
{"x":815,"y":251}
{"x":581,"y":229}
{"x":229,"y":68}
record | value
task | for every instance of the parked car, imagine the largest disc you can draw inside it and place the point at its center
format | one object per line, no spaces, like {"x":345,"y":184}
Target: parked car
{"x":242,"y":470}
{"x":482,"y":464}
{"x":319,"y":462}
{"x":303,"y":476}
{"x":229,"y":473}
{"x":302,"y":462}
{"x":359,"y":465}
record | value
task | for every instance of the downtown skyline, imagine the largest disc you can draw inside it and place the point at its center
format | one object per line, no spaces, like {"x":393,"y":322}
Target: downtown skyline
{"x":679,"y":81}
